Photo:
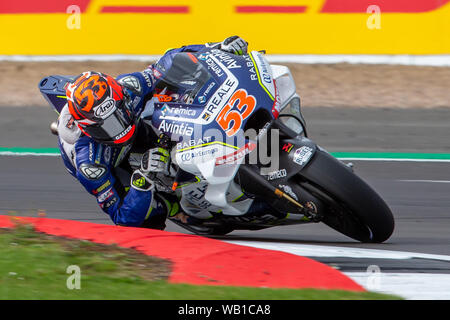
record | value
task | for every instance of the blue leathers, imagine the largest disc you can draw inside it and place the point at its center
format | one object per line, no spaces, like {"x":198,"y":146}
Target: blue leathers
{"x":105,"y":171}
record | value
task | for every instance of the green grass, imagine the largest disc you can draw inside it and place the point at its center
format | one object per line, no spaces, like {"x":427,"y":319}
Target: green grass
{"x":33,"y":266}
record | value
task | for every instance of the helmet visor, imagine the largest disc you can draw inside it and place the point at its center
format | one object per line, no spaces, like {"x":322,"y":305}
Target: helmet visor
{"x":117,"y":128}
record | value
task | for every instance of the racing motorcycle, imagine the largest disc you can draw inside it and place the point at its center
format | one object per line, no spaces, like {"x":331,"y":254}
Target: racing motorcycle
{"x":241,"y":153}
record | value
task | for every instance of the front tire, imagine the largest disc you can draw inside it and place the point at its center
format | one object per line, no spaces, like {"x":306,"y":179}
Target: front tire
{"x":352,"y":207}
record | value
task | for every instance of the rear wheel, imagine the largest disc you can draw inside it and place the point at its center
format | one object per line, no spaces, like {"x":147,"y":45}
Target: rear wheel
{"x":352,"y":207}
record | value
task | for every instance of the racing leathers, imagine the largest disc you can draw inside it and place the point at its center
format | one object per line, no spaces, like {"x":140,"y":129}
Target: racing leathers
{"x":110,"y":173}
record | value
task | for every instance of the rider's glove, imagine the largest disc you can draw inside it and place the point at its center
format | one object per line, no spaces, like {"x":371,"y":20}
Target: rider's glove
{"x":154,"y":160}
{"x":234,"y":45}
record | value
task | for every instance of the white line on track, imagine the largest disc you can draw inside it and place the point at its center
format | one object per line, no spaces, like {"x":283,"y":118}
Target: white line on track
{"x":33,"y":154}
{"x":426,"y":181}
{"x":414,"y":286}
{"x":344,"y":252}
{"x":10,"y":153}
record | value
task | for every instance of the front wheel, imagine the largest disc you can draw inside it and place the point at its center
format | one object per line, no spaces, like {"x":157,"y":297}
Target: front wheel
{"x":352,"y":207}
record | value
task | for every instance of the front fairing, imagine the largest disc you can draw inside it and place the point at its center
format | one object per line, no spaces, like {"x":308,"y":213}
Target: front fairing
{"x":210,"y":133}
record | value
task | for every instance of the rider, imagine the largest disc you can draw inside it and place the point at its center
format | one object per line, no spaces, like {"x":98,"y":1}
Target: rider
{"x":103,"y":140}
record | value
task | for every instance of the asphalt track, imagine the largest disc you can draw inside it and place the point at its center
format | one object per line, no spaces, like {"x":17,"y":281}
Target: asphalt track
{"x":336,"y":129}
{"x":417,"y":192}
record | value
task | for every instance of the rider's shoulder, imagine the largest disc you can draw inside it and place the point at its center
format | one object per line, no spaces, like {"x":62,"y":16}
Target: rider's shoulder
{"x":136,"y":82}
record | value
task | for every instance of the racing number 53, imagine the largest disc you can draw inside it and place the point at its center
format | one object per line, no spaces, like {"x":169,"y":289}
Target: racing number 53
{"x":231,"y":120}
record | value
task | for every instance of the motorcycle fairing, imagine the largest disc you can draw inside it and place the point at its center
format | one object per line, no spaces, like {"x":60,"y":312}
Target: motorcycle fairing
{"x":247,"y":81}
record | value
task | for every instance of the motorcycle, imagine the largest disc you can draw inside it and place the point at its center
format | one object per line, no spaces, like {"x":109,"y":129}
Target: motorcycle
{"x":241,"y":152}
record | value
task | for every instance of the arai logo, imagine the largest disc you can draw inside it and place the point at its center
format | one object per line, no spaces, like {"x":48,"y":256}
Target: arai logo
{"x":105,"y":109}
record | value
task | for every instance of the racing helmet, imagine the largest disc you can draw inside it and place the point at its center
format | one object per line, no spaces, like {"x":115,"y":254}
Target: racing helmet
{"x":101,"y":108}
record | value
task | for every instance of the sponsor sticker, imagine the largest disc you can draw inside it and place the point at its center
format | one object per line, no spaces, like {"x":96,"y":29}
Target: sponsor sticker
{"x":264,"y":68}
{"x":91,"y":151}
{"x":251,"y":68}
{"x":105,"y":109}
{"x":235,"y":156}
{"x":214,"y":67}
{"x":196,"y":153}
{"x":124,"y":133}
{"x":226,"y":58}
{"x":156,"y":73}
{"x":222,"y":94}
{"x":210,"y":86}
{"x":276,"y":108}
{"x":202,"y":56}
{"x":287,"y":147}
{"x":288,"y":190}
{"x":302,"y":155}
{"x":178,"y":111}
{"x":109,"y":203}
{"x":193,"y":143}
{"x":179,"y":128}
{"x":264,"y":73}
{"x":106,"y":195}
{"x":148,"y":75}
{"x":102,"y":187}
{"x":277,"y":174}
{"x":203,"y":95}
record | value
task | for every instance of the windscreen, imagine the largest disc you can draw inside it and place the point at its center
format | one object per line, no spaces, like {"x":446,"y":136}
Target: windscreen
{"x":186,"y":76}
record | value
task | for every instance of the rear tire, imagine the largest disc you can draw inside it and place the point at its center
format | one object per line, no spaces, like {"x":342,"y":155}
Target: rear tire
{"x":352,"y":206}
